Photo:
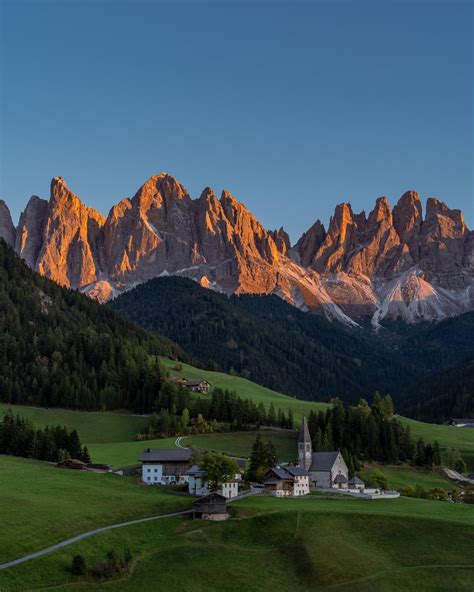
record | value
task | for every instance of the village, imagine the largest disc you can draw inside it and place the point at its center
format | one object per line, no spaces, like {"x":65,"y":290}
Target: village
{"x":324,"y":472}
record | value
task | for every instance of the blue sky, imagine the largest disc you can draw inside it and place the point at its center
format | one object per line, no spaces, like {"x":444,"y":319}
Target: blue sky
{"x":294,"y":107}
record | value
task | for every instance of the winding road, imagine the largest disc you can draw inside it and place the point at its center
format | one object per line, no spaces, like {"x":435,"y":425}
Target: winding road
{"x":85,"y":535}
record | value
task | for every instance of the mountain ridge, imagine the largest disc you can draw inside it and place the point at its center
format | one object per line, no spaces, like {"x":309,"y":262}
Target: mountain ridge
{"x":387,"y":265}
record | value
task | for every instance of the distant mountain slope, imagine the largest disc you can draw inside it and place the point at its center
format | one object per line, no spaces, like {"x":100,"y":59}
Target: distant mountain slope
{"x":388,"y":264}
{"x":264,"y":339}
{"x":442,"y":396}
{"x":59,"y":348}
{"x":276,"y":345}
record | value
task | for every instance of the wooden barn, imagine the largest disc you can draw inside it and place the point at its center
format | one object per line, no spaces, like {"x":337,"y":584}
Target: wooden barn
{"x":211,"y":507}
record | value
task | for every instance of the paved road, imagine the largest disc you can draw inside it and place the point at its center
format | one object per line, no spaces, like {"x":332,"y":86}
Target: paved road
{"x":85,"y":535}
{"x":177,"y":442}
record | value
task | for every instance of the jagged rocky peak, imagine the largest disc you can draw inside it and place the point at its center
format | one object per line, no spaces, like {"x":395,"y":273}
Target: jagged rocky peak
{"x":70,"y":250}
{"x":29,"y":233}
{"x":161,"y":190}
{"x":281,"y":239}
{"x":309,"y":243}
{"x":386,"y":264}
{"x":407,"y":220}
{"x":381,"y":212}
{"x":7,"y":230}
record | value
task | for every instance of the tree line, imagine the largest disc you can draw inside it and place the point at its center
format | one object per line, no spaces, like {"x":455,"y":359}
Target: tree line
{"x":19,"y":437}
{"x":369,"y":433}
{"x":176,"y":411}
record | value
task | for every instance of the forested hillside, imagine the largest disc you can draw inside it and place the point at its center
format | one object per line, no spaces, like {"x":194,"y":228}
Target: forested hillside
{"x":59,"y":348}
{"x":273,"y":343}
{"x":444,"y":395}
{"x":264,"y":339}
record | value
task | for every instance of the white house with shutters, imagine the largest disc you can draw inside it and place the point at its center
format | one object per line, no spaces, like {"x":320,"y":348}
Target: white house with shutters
{"x":198,"y":485}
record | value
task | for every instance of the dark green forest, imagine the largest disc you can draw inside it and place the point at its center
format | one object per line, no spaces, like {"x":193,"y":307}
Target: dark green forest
{"x":59,"y":348}
{"x":445,"y":395}
{"x":305,"y":355}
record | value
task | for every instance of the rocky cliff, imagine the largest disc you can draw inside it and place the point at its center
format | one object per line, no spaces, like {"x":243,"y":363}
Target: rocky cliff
{"x":389,"y":264}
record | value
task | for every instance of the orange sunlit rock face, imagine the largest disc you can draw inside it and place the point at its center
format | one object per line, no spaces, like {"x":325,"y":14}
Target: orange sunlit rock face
{"x":389,"y":264}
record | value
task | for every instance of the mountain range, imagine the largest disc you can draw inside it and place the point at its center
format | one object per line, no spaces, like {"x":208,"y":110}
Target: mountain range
{"x":391,"y":264}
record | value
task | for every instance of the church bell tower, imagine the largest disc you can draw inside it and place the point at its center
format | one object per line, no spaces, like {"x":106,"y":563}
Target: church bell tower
{"x":305,"y":447}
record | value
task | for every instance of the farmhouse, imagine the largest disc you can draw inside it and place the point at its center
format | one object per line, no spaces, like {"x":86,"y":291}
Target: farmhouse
{"x":198,"y":485}
{"x":198,"y":386}
{"x":326,"y":469}
{"x":211,"y":507}
{"x":461,"y":423}
{"x":288,"y":481}
{"x":161,"y":467}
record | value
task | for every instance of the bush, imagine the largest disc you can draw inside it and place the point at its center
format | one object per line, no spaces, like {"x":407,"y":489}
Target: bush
{"x":376,"y":478}
{"x":78,"y":566}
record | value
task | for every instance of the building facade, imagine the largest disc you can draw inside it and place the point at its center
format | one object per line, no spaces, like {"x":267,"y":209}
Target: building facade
{"x":166,"y":466}
{"x":198,"y":485}
{"x":325,"y":469}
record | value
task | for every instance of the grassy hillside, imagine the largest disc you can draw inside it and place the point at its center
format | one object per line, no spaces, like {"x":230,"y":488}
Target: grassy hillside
{"x":93,"y":427}
{"x":404,"y":476}
{"x":303,"y":545}
{"x":447,"y":436}
{"x":41,"y":505}
{"x":245,"y":388}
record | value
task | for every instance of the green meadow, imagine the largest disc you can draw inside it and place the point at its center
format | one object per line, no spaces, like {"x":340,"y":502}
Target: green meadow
{"x":309,"y":544}
{"x":41,"y":504}
{"x":245,"y":388}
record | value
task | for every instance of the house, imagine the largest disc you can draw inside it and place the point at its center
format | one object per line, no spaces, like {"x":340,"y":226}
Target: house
{"x":356,"y":483}
{"x":211,"y":507}
{"x":178,"y":380}
{"x":461,"y":423}
{"x":323,"y":467}
{"x":288,"y":481}
{"x":198,"y":386}
{"x":164,"y":466}
{"x":198,"y":485}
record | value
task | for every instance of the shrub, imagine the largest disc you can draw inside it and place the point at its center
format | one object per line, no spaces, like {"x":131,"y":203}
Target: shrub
{"x":78,"y":566}
{"x":376,"y":478}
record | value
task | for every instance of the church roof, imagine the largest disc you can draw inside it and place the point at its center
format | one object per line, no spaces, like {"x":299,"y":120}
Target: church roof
{"x":304,"y":432}
{"x":323,"y":461}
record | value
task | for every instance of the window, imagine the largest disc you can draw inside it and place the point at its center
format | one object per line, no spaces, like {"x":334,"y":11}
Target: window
{"x":148,"y":478}
{"x":148,"y":470}
{"x":156,"y":470}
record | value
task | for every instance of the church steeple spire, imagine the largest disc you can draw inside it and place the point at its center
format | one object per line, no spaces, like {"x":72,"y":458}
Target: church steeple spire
{"x":305,"y":446}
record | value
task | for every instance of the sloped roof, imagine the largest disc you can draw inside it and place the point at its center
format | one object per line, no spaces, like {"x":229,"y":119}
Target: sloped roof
{"x":195,"y":471}
{"x":297,"y":471}
{"x":356,"y":480}
{"x":165,"y":455}
{"x":323,"y":461}
{"x":304,"y":432}
{"x":196,"y":382}
{"x":340,"y":478}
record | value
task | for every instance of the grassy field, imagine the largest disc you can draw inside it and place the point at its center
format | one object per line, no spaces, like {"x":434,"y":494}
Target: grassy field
{"x":240,"y":443}
{"x":41,"y":505}
{"x":245,"y":388}
{"x":447,"y":436}
{"x":310,"y":544}
{"x":404,"y":476}
{"x":91,"y":426}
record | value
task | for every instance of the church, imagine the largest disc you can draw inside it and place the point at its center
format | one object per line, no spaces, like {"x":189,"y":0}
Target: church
{"x":326,"y":469}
